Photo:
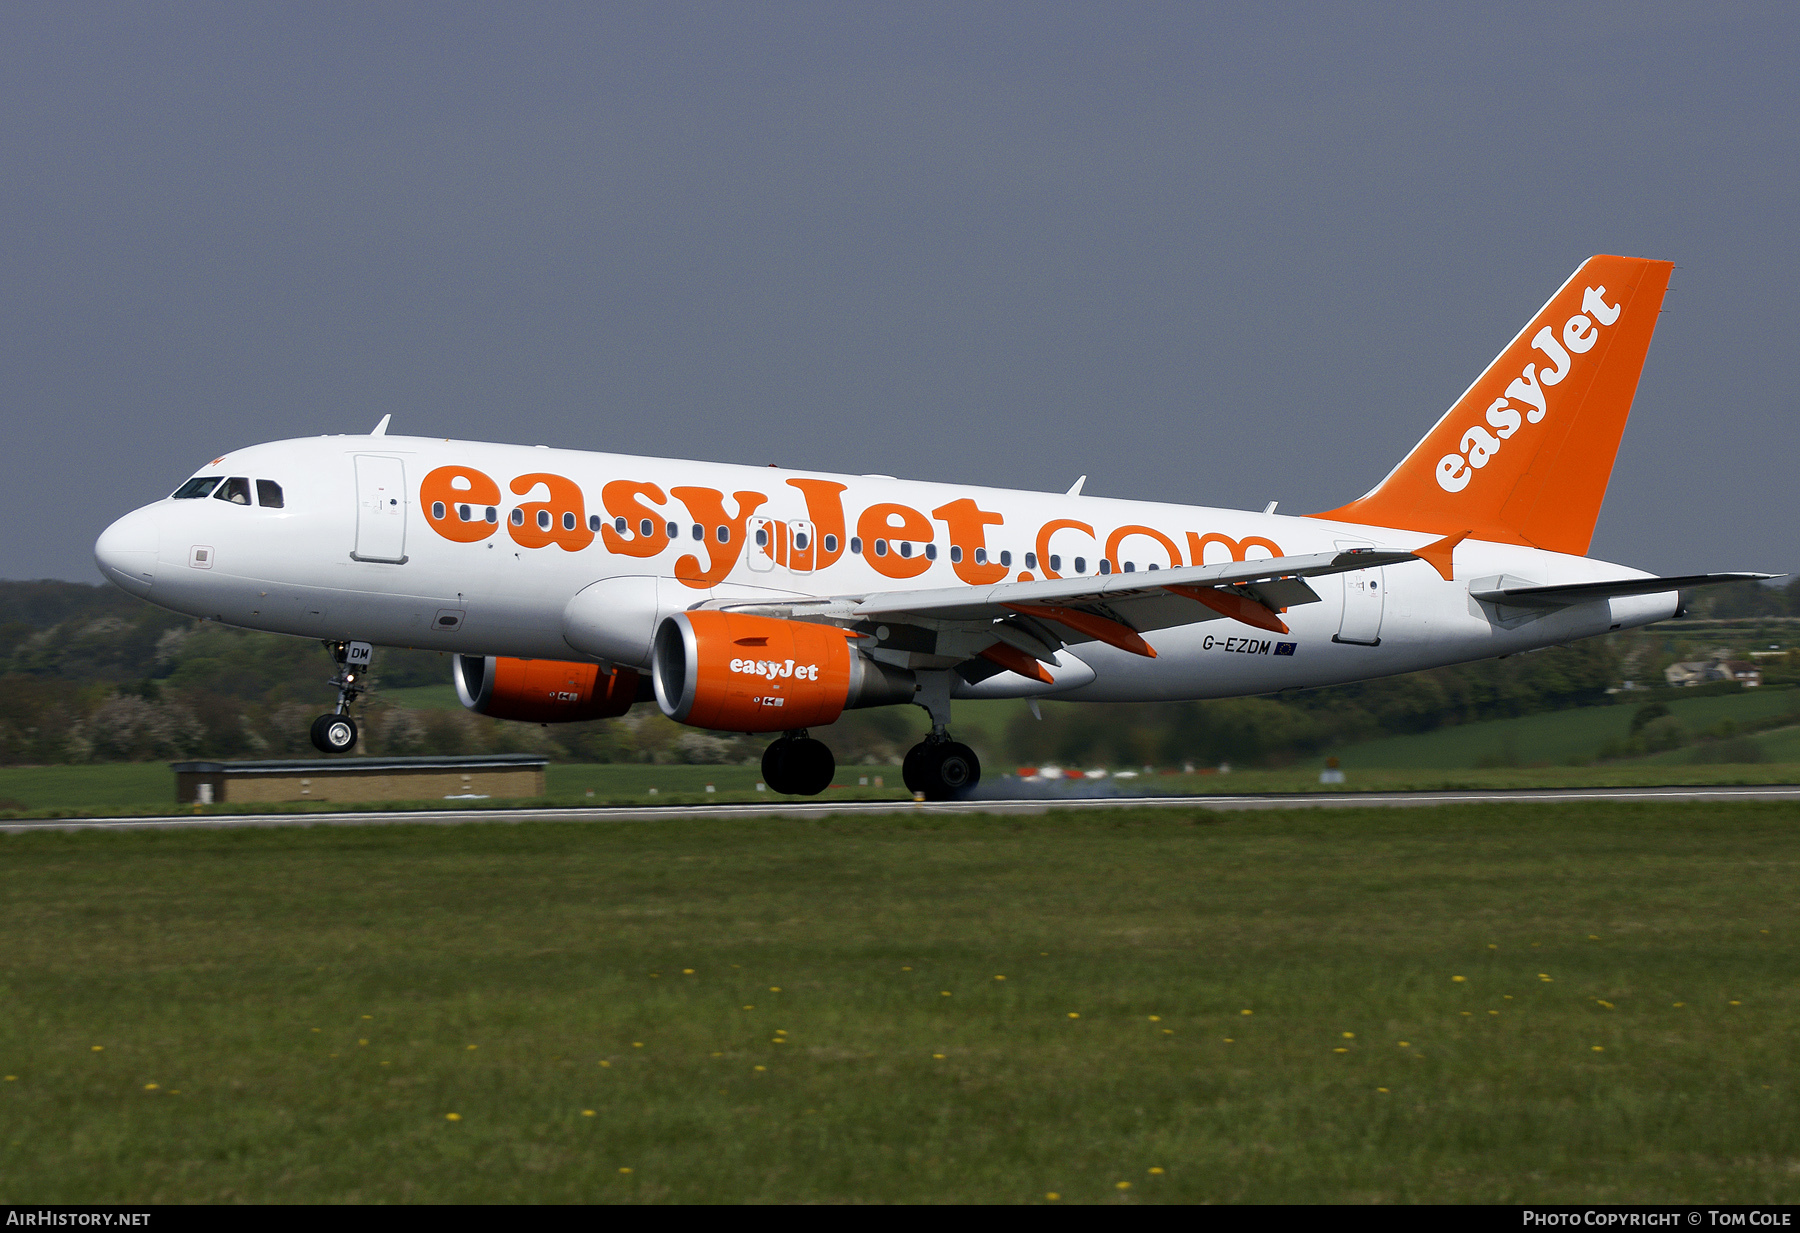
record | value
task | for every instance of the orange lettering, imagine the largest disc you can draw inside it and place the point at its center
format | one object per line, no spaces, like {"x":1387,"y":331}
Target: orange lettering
{"x":707,"y":506}
{"x":621,"y":500}
{"x":878,"y":524}
{"x":562,"y":520}
{"x":1197,"y":546}
{"x":456,"y":501}
{"x":825,"y":510}
{"x":1043,"y":541}
{"x":968,"y":523}
{"x":1113,"y":541}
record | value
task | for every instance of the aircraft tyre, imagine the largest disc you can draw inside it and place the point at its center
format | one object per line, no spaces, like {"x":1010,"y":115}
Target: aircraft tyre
{"x":334,"y":733}
{"x":947,"y":770}
{"x":798,"y":766}
{"x":911,"y":768}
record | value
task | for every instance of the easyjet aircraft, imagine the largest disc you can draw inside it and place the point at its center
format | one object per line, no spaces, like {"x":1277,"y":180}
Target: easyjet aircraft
{"x":571,"y":585}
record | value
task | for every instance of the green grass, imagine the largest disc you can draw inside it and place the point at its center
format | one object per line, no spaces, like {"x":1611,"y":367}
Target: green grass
{"x":1553,"y":738}
{"x":1640,"y":960}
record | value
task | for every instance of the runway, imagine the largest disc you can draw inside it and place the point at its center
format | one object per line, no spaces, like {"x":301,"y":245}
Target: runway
{"x":819,"y":809}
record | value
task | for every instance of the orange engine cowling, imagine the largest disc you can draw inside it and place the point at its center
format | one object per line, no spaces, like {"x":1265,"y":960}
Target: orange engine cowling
{"x":733,"y":672}
{"x":543,"y":691}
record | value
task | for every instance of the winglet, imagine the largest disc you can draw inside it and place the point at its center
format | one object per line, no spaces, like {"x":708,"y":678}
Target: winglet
{"x":1439,"y":554}
{"x":380,"y":430}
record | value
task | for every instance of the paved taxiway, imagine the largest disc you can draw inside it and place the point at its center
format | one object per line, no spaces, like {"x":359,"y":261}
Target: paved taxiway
{"x":815,"y":809}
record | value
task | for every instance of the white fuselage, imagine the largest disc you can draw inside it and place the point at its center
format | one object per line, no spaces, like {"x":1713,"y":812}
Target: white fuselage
{"x":335,"y":562}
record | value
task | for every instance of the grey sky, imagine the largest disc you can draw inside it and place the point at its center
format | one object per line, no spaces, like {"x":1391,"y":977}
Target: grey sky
{"x":1214,"y":254}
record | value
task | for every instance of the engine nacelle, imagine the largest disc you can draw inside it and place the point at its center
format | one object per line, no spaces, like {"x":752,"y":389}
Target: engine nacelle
{"x":543,"y":691}
{"x":733,"y":672}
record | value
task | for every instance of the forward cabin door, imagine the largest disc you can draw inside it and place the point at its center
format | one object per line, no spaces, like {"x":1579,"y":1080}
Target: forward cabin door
{"x":1364,"y":595}
{"x":380,"y":510}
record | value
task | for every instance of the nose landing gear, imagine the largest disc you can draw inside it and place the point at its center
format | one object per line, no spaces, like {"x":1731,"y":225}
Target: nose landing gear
{"x":797,"y":765}
{"x":336,"y":732}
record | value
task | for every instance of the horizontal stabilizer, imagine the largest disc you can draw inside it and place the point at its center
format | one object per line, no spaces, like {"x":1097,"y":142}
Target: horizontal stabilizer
{"x":1588,"y":592}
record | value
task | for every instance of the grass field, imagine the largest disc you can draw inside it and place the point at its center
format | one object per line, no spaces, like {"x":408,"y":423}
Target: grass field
{"x":148,"y":788}
{"x":1554,"y":1004}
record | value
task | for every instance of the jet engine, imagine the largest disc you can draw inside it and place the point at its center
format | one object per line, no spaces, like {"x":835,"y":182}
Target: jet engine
{"x":543,"y":691}
{"x":734,"y":672}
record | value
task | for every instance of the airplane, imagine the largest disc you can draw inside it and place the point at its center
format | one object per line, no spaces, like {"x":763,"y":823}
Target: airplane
{"x":571,"y":585}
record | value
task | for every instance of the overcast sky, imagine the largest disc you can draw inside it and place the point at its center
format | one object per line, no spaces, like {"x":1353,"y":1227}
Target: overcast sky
{"x":1212,"y":254}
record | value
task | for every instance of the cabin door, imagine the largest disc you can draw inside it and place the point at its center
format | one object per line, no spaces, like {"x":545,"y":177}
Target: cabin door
{"x":1364,"y":596}
{"x":380,"y":510}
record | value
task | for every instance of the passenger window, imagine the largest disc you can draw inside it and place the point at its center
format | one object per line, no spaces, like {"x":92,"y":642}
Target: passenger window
{"x":268,"y":494}
{"x":931,"y":552}
{"x":1031,"y":560}
{"x":956,"y":555}
{"x":543,"y":520}
{"x":1056,"y":562}
{"x":831,"y":543}
{"x":1080,"y":564}
{"x":1006,"y":559}
{"x":197,"y":487}
{"x":699,"y":531}
{"x":593,"y":522}
{"x":980,"y":556}
{"x":855,"y":545}
{"x":619,"y":524}
{"x":235,"y":490}
{"x":568,"y":520}
{"x":881,"y":547}
{"x":674,"y":531}
{"x":905,"y":548}
{"x":646,"y":528}
{"x":724,"y":535}
{"x":518,"y":517}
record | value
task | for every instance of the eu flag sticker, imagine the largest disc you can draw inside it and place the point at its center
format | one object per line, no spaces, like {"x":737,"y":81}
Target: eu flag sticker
{"x":1285,"y":648}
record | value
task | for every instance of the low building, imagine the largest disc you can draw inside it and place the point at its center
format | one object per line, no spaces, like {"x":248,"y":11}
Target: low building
{"x":359,"y":780}
{"x":1701,"y":671}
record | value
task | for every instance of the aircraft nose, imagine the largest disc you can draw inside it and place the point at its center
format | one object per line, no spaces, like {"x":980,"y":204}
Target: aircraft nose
{"x":126,"y":551}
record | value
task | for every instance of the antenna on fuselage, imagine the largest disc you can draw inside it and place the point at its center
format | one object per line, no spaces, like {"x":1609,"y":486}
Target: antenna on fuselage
{"x":380,"y":430}
{"x":1075,"y":488}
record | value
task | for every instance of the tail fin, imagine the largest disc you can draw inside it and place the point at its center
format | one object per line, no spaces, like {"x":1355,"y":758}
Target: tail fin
{"x":1525,"y":454}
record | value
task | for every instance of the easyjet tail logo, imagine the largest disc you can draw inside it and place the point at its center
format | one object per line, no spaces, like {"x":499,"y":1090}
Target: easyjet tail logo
{"x":1530,"y":390}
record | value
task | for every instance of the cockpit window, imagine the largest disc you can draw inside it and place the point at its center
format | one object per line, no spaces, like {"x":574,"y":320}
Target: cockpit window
{"x":236,"y":490}
{"x":268,"y":494}
{"x":199,"y":486}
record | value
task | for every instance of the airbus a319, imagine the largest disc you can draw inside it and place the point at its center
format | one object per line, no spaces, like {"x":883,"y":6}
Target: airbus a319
{"x":572,"y":585}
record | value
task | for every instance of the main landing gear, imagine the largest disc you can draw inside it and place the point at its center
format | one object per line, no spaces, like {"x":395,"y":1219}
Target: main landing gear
{"x":797,"y":765}
{"x":336,"y":732}
{"x":938,"y":768}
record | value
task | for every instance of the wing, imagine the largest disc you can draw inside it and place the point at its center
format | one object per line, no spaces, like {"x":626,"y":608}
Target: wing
{"x":1587,"y":592}
{"x":1018,"y":625}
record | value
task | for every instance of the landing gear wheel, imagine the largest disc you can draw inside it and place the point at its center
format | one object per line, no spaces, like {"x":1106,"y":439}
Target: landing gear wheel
{"x":912,"y":772}
{"x":947,"y":769}
{"x":334,"y":733}
{"x":798,"y":766}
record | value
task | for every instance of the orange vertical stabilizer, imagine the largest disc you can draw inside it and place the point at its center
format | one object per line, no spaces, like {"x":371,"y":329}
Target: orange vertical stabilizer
{"x":1524,"y":456}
